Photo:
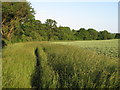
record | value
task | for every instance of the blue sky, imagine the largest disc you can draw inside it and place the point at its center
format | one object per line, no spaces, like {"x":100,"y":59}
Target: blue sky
{"x":76,"y":15}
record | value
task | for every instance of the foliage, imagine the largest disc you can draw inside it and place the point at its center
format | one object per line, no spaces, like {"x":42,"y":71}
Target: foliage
{"x":13,"y":15}
{"x":83,"y":34}
{"x":93,"y":34}
{"x":117,"y":36}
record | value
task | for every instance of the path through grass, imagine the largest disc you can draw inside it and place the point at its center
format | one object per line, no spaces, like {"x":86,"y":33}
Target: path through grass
{"x":51,"y":65}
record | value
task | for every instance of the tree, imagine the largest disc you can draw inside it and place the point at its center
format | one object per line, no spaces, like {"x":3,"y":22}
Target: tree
{"x":110,"y":36}
{"x":65,"y":33}
{"x":117,"y":36}
{"x":93,"y":34}
{"x":14,"y":14}
{"x":51,"y":23}
{"x":82,"y":34}
{"x":104,"y":35}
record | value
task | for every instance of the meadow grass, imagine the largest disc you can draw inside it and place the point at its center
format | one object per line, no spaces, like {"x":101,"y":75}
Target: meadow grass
{"x":51,"y":65}
{"x":17,"y":64}
{"x":82,"y":68}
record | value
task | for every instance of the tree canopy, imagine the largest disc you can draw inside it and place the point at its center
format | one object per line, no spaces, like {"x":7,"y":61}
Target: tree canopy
{"x":13,"y":15}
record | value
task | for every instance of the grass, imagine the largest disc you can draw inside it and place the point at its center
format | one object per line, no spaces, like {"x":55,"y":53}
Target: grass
{"x":18,"y":63}
{"x":51,"y":65}
{"x":0,"y":68}
{"x":105,"y":47}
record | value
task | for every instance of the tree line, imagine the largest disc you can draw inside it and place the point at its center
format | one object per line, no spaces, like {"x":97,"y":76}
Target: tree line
{"x":19,"y":25}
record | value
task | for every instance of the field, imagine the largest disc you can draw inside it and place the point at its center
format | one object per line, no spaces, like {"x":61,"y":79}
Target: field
{"x":105,"y":47}
{"x":75,"y":64}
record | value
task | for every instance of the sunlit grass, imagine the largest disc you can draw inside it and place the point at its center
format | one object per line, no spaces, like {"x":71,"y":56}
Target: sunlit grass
{"x":105,"y":47}
{"x":60,"y":66}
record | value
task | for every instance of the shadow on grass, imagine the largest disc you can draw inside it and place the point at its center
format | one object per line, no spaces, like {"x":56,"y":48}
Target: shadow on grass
{"x":65,"y":71}
{"x":36,"y":80}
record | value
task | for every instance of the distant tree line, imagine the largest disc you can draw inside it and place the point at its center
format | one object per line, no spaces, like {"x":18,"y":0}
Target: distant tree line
{"x":19,"y":24}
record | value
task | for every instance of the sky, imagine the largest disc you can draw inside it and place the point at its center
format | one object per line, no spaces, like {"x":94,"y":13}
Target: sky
{"x":73,"y":0}
{"x":98,"y":15}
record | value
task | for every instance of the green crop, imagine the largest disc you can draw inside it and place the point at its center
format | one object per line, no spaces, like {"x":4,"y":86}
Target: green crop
{"x":105,"y":47}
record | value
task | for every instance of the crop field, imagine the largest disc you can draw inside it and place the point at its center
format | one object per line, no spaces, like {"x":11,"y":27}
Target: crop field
{"x":61,"y":65}
{"x":105,"y":47}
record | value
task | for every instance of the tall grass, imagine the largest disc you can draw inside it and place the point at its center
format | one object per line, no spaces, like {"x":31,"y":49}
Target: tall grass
{"x":82,"y":68}
{"x":20,"y":69}
{"x":18,"y":64}
{"x":43,"y":76}
{"x":49,"y":65}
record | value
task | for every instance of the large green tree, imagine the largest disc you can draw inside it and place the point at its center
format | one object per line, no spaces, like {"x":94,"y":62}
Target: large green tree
{"x":83,"y":34}
{"x":51,"y":27}
{"x":51,"y":23}
{"x":93,"y":34}
{"x":104,"y":35}
{"x":13,"y":15}
{"x":117,"y":36}
{"x":65,"y":33}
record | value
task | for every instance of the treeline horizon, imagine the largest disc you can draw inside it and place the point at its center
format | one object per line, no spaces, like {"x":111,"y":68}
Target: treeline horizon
{"x":19,"y":25}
